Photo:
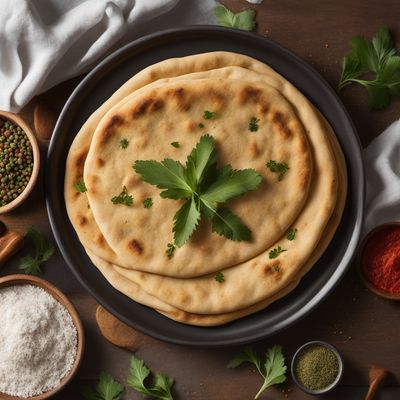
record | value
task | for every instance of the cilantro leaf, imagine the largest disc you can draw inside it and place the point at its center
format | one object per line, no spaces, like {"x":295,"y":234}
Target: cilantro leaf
{"x":274,"y":253}
{"x":226,"y":223}
{"x":244,"y":20}
{"x":378,"y":57}
{"x":219,"y":277}
{"x":281,"y":168}
{"x":186,"y":220}
{"x":170,"y":250}
{"x":123,"y":198}
{"x":123,"y":143}
{"x":291,"y":234}
{"x":107,"y":388}
{"x":44,"y":250}
{"x":208,"y":114}
{"x":161,"y":385}
{"x":176,"y":145}
{"x":253,"y":124}
{"x":167,"y":174}
{"x":203,"y":185}
{"x":231,"y":184}
{"x":147,"y":203}
{"x":273,"y":369}
{"x":80,"y":186}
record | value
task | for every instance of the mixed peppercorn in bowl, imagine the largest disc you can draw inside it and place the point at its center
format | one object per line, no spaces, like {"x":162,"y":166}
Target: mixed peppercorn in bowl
{"x":19,"y":161}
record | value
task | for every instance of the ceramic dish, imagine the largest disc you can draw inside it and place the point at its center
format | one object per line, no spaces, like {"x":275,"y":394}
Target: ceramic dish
{"x":22,"y":279}
{"x":99,"y":85}
{"x":367,"y":283}
{"x":36,"y":161}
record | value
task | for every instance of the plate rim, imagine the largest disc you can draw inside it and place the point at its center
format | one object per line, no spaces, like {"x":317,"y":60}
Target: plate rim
{"x":349,"y":253}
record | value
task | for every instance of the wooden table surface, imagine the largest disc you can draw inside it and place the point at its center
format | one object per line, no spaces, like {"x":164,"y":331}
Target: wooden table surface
{"x":363,"y":327}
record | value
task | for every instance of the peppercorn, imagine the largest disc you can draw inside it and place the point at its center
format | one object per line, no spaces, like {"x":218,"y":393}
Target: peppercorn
{"x":16,"y":161}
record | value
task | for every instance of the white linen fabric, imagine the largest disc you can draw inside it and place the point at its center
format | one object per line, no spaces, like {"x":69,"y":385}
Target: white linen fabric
{"x":44,"y":42}
{"x":382,"y":171}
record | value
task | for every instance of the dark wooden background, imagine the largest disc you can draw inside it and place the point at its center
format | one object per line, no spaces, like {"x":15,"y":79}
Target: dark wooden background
{"x":363,"y":327}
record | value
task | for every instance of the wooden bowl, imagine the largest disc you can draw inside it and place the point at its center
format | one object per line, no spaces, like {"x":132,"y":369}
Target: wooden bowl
{"x":367,"y":283}
{"x":36,"y":161}
{"x":22,"y":279}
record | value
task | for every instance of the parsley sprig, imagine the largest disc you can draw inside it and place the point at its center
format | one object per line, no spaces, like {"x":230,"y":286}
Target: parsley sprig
{"x":161,"y":386}
{"x":203,"y":186}
{"x":376,"y":56}
{"x":291,"y":234}
{"x":219,"y":277}
{"x":245,"y":20}
{"x":280,"y":168}
{"x":44,"y":250}
{"x":274,"y":253}
{"x":123,"y":198}
{"x":148,"y":203}
{"x":273,"y":369}
{"x":123,"y":143}
{"x":107,"y":388}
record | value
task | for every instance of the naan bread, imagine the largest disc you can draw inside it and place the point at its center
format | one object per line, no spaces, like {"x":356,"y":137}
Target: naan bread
{"x":159,"y":116}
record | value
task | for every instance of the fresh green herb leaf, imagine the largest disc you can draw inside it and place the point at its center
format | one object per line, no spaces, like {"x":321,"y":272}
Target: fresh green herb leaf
{"x":208,"y":114}
{"x":253,"y":124}
{"x":219,"y":277}
{"x":176,"y":145}
{"x":186,"y":220}
{"x":231,"y":184}
{"x":80,"y":186}
{"x":277,"y":268}
{"x":203,"y":185}
{"x":123,"y":198}
{"x":201,"y":125}
{"x":291,"y":235}
{"x":147,"y":203}
{"x":107,"y":388}
{"x":280,"y":168}
{"x":161,"y":386}
{"x":274,"y":253}
{"x":123,"y":143}
{"x":170,"y":250}
{"x":44,"y":250}
{"x":273,"y":369}
{"x":378,"y":57}
{"x":245,"y":20}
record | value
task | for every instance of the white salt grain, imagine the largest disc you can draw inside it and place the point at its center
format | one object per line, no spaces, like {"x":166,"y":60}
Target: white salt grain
{"x":38,"y":341}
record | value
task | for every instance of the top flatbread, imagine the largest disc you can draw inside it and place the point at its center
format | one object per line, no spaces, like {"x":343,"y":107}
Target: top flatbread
{"x":159,"y":116}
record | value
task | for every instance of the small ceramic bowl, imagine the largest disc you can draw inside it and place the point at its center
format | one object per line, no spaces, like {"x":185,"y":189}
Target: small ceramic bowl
{"x":22,"y":279}
{"x":36,"y":161}
{"x":328,"y":388}
{"x":360,"y":268}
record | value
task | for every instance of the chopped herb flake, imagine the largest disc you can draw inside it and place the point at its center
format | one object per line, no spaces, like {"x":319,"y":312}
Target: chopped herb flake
{"x":291,"y":234}
{"x":176,"y":145}
{"x":147,"y":203}
{"x":208,"y":114}
{"x":80,"y":187}
{"x":276,"y":268}
{"x":201,"y":125}
{"x":170,"y":250}
{"x":274,"y":253}
{"x":253,"y":124}
{"x":123,"y":144}
{"x":219,"y":277}
{"x":123,"y":198}
{"x":281,"y":168}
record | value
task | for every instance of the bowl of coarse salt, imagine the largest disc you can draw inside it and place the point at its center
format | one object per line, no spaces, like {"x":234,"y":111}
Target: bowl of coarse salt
{"x":41,"y":338}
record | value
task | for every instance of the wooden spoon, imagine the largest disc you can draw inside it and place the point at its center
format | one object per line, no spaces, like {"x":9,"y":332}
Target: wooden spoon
{"x":10,"y":243}
{"x":376,"y":375}
{"x":118,"y":333}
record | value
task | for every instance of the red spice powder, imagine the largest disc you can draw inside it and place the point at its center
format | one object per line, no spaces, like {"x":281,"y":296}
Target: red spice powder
{"x":381,"y":260}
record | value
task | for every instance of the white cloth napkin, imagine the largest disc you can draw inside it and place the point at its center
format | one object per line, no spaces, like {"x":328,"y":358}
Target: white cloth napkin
{"x":382,"y":171}
{"x":44,"y":42}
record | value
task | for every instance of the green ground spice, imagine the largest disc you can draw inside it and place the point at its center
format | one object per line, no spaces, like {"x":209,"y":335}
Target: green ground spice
{"x":317,"y":367}
{"x":16,"y":161}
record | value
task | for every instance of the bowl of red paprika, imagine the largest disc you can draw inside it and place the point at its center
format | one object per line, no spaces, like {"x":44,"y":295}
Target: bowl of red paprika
{"x":379,"y":260}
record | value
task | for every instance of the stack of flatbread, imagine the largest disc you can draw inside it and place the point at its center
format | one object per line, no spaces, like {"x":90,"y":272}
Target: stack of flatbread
{"x":165,"y":103}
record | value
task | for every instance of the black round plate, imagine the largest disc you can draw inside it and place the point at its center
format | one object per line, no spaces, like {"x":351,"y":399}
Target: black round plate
{"x":108,"y":76}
